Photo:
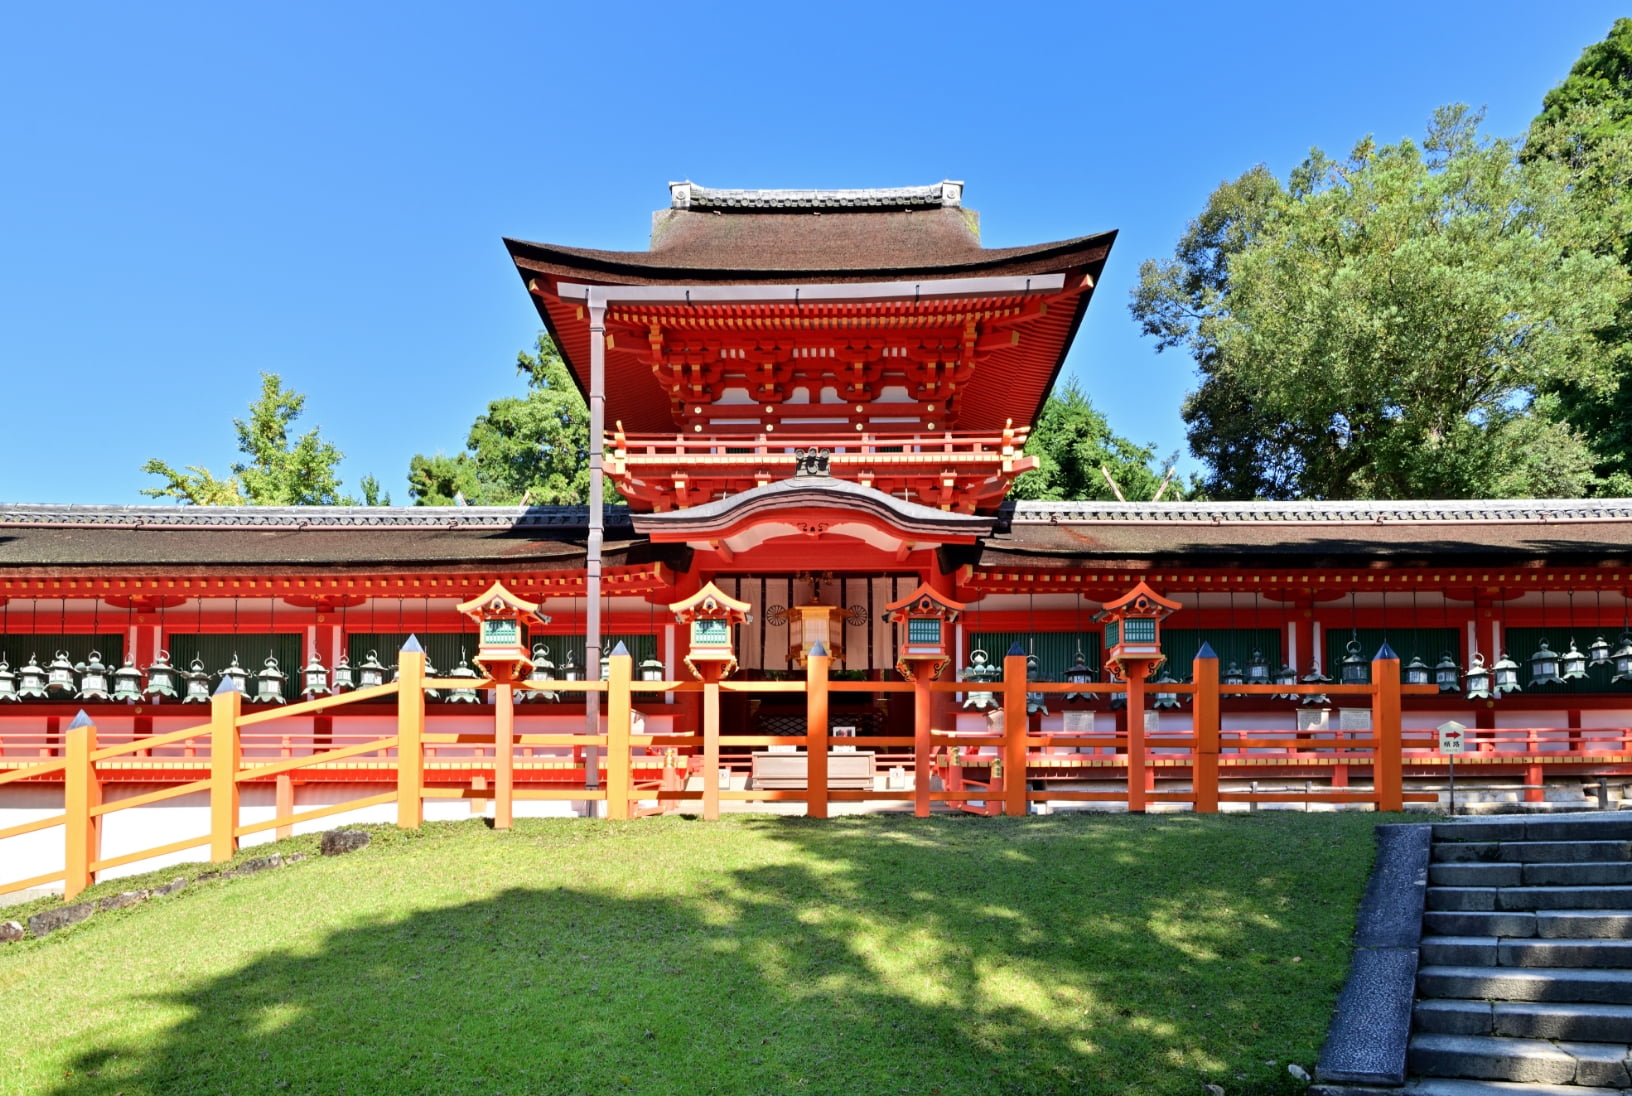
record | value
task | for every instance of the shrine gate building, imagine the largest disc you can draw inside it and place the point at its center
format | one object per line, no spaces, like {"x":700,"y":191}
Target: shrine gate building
{"x":814,"y":404}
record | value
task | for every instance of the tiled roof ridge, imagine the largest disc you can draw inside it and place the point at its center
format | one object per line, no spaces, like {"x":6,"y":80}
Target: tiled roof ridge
{"x":1424,"y":511}
{"x":304,"y":517}
{"x":688,"y":195}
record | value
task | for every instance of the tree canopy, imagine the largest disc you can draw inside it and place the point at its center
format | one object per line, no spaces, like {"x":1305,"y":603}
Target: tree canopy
{"x":1393,"y":325}
{"x":533,"y":448}
{"x":1585,"y":126}
{"x":1073,"y":442}
{"x":278,"y":472}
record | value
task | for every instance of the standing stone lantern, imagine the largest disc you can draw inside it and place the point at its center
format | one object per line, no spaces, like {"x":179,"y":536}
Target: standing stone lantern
{"x":502,"y":620}
{"x":1133,"y":651}
{"x":709,"y":616}
{"x":923,"y":632}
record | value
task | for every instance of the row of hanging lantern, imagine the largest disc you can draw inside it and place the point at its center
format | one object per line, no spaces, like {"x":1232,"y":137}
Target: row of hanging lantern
{"x":1480,"y":681}
{"x":94,"y":680}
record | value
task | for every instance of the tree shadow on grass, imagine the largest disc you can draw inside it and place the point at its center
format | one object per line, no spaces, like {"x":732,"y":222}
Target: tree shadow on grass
{"x":954,"y":956}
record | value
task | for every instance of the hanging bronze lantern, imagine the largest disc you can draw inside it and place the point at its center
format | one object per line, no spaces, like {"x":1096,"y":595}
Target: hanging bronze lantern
{"x":370,"y":672}
{"x":1080,"y":673}
{"x":1505,"y":675}
{"x":430,"y":671}
{"x":1257,"y":669}
{"x":1167,"y":698}
{"x":537,"y":684}
{"x":31,"y":681}
{"x":1623,"y":659}
{"x":1417,"y":672}
{"x":1285,"y":676}
{"x":161,"y":678}
{"x":198,"y":684}
{"x":314,"y":679}
{"x":1598,"y":652}
{"x":269,"y":683}
{"x":344,"y":682}
{"x":1543,"y":667}
{"x":59,"y":677}
{"x":1477,"y":680}
{"x":651,"y":669}
{"x":127,"y":682}
{"x":1232,"y":675}
{"x":1572,"y":664}
{"x":462,"y":694}
{"x":570,"y":670}
{"x":93,"y":682}
{"x":1447,"y":673}
{"x":1355,"y":669}
{"x":8,"y":684}
{"x":236,"y":674}
{"x":1315,"y":677}
{"x":980,"y":672}
{"x":1036,"y":703}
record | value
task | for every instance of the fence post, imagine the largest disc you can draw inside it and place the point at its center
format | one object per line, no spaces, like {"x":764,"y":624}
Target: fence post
{"x":1135,"y":711}
{"x":504,"y":754}
{"x":226,"y":758}
{"x":922,"y":714}
{"x":621,"y":670}
{"x":410,"y":735}
{"x":818,"y":664}
{"x":1387,"y":767}
{"x":1015,"y":725}
{"x":711,"y":742}
{"x":80,"y":792}
{"x":1205,"y":724}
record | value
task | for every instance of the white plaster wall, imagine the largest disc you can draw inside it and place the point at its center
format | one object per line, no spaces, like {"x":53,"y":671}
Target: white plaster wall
{"x":30,"y":854}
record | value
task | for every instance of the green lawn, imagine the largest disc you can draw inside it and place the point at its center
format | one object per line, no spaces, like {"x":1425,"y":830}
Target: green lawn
{"x":955,"y":955}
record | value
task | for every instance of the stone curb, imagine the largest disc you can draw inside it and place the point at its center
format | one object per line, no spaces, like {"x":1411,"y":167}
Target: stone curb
{"x":50,"y":920}
{"x":1366,"y":1041}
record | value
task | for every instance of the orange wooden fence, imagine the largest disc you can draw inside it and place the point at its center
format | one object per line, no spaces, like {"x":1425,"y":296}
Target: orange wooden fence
{"x":983,"y":773}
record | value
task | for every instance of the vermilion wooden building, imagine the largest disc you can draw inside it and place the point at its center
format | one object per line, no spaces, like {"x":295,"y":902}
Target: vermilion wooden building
{"x":818,"y":400}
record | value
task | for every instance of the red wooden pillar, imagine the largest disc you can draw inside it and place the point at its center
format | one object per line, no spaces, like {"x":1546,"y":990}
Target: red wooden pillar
{"x":1205,"y":723}
{"x":817,"y":665}
{"x":1136,"y":738}
{"x":922,"y":713}
{"x":1387,"y":767}
{"x":81,"y":793}
{"x":1015,"y":726}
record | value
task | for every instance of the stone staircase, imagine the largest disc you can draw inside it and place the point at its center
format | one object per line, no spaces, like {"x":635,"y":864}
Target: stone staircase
{"x":1524,"y":982}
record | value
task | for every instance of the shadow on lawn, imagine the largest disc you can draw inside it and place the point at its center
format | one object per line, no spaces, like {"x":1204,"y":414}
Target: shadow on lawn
{"x":960,"y":956}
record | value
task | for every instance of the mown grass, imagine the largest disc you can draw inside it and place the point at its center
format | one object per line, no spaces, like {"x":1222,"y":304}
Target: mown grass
{"x":1061,"y":954}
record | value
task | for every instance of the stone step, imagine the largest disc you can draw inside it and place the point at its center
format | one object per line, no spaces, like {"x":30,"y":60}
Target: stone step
{"x":1476,"y":899}
{"x":1612,"y":987}
{"x":1594,"y":873}
{"x":1530,"y":1061}
{"x":1551,"y":924}
{"x":1540,"y":852}
{"x":1447,"y":1086}
{"x":1594,"y":1023}
{"x":1587,"y":826}
{"x":1495,"y":951}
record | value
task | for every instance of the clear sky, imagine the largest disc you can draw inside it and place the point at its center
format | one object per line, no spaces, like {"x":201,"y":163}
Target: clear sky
{"x":193,"y":194}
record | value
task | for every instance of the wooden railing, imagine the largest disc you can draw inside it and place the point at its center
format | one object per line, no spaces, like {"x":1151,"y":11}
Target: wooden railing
{"x":981,"y":772}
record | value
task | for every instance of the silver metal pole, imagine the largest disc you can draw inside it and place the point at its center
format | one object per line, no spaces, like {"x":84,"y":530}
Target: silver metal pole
{"x":597,"y":433}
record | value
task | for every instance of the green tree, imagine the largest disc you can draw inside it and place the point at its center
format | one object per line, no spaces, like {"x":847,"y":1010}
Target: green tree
{"x":279,"y":472}
{"x":533,"y":448}
{"x":1388,"y":326}
{"x":1073,"y":441}
{"x":1585,"y":125}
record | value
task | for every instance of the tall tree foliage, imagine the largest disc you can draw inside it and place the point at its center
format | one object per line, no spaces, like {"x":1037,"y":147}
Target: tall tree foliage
{"x":1390,"y":325}
{"x":1073,"y":442}
{"x":1585,"y":125}
{"x":278,"y":472}
{"x":533,"y":448}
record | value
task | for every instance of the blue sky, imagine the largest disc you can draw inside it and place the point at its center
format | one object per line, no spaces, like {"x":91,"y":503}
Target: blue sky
{"x":193,"y":194}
